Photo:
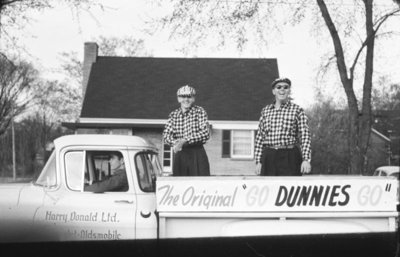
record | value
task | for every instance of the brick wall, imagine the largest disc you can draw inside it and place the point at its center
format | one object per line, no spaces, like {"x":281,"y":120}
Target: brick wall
{"x":225,"y":166}
{"x":153,"y":135}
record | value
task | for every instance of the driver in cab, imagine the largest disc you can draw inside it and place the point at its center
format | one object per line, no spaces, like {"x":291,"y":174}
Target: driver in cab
{"x":117,"y":182}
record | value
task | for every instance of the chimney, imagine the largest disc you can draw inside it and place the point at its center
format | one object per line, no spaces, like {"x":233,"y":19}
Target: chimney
{"x":89,"y":57}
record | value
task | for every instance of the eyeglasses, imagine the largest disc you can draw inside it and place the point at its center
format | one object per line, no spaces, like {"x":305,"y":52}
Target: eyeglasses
{"x":185,"y":96}
{"x":280,"y":87}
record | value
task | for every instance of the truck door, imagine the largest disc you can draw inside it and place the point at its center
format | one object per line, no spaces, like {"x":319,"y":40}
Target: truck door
{"x":98,"y":201}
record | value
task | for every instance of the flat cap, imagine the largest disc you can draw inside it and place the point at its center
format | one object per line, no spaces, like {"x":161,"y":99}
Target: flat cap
{"x":276,"y":81}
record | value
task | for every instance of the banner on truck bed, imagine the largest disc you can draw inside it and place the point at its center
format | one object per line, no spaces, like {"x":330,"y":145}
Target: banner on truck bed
{"x":289,"y":194}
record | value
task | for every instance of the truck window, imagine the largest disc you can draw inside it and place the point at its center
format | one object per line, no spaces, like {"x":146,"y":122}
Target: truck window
{"x":48,"y":177}
{"x":74,"y":167}
{"x":105,"y":172}
{"x":147,"y":169}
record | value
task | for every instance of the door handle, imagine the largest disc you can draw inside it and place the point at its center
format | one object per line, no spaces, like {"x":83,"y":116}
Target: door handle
{"x":145,"y":215}
{"x":123,"y":201}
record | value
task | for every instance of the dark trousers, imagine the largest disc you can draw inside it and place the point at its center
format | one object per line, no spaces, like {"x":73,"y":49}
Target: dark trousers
{"x":192,"y":160}
{"x":281,"y":162}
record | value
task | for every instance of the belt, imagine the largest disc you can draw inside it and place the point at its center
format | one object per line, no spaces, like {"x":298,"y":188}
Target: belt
{"x":195,"y":145}
{"x":276,"y":147}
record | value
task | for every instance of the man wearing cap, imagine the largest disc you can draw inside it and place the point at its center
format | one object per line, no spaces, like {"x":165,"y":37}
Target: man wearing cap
{"x":117,"y":182}
{"x":186,"y":132}
{"x":282,"y":130}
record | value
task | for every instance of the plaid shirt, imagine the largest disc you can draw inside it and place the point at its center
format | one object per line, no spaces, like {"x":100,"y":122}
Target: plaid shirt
{"x":191,"y":125}
{"x":281,"y":127}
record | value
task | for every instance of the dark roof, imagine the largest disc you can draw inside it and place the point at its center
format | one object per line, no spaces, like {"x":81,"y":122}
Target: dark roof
{"x":387,"y":122}
{"x":145,"y":88}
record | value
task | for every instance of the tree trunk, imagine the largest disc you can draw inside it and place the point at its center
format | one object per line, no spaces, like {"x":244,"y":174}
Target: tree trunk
{"x":353,"y":138}
{"x":366,"y":119}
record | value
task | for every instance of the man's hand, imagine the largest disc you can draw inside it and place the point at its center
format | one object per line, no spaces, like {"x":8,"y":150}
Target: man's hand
{"x":178,"y":145}
{"x":258,"y":168}
{"x":305,"y":167}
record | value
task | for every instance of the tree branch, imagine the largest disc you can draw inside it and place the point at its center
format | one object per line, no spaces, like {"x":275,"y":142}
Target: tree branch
{"x":379,"y":23}
{"x":4,"y":3}
{"x":340,"y":60}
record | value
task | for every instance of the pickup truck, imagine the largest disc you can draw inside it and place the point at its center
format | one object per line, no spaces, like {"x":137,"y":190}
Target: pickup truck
{"x":233,"y":215}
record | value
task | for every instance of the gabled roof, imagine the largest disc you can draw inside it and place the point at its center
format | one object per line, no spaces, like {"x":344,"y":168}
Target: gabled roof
{"x":145,"y":88}
{"x":387,"y":121}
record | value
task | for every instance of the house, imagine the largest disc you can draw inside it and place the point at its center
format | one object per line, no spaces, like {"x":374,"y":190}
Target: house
{"x":378,"y":151}
{"x":388,"y":122}
{"x":134,"y":96}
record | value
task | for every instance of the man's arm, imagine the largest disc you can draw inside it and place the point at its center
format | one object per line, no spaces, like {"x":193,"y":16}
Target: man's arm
{"x":258,"y":146}
{"x":305,"y":142}
{"x":168,"y":133}
{"x":305,"y":136}
{"x":113,"y":183}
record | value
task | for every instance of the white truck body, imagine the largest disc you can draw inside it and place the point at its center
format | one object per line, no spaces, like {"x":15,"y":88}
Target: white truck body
{"x":245,"y":206}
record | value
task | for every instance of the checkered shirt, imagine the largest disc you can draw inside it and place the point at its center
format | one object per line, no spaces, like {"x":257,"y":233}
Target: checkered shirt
{"x":281,"y":127}
{"x":191,"y":125}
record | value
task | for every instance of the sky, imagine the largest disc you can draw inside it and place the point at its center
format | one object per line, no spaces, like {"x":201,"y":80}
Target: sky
{"x":58,"y":30}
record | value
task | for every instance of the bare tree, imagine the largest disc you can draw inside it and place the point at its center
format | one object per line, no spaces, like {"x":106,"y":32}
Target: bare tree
{"x":52,"y":103}
{"x":198,"y":21}
{"x":55,"y":102}
{"x":15,"y":82}
{"x":121,"y":46}
{"x":386,"y":96}
{"x":72,"y":65}
{"x":360,"y":115}
{"x":14,"y":14}
{"x":328,"y":127}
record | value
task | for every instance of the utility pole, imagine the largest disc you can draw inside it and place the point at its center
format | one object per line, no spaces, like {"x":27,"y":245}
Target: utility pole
{"x":13,"y":145}
{"x":390,"y":147}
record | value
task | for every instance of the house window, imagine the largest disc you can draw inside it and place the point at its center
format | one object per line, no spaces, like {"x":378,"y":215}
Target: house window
{"x":242,"y":143}
{"x":238,"y":144}
{"x":167,"y":158}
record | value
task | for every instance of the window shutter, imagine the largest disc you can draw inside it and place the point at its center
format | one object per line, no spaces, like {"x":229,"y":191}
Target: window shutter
{"x":226,"y":143}
{"x":167,"y":158}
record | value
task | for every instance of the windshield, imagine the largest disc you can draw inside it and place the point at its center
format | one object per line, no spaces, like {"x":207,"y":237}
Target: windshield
{"x":147,"y":168}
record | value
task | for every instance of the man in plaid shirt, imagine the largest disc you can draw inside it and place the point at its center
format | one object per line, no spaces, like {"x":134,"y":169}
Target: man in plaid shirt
{"x":186,"y":132}
{"x":282,"y":130}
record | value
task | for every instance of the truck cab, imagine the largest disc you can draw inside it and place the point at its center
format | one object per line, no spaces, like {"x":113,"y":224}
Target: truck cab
{"x":60,"y":201}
